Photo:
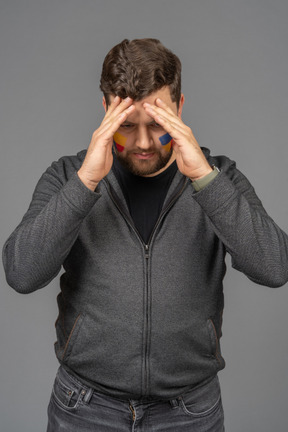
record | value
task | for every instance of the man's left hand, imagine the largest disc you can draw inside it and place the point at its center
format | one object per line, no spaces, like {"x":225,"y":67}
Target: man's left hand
{"x":189,"y":157}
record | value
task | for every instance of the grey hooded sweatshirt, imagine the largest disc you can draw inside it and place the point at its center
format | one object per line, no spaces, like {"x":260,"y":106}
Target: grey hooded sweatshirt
{"x":142,"y":320}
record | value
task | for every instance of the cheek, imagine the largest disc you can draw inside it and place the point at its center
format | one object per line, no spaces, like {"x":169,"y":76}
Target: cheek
{"x":119,"y":142}
{"x":166,"y":141}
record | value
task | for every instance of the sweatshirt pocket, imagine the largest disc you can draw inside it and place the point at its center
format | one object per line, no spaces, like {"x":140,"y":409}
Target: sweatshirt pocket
{"x":214,"y":342}
{"x":63,"y":352}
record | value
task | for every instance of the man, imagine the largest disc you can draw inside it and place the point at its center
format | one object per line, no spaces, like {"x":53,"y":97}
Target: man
{"x":141,"y":223}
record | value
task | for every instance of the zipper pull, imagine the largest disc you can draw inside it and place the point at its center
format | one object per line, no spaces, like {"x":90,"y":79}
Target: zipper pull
{"x":146,"y":251}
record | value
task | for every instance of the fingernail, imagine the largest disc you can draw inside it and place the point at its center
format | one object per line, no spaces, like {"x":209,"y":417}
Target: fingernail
{"x":127,"y":99}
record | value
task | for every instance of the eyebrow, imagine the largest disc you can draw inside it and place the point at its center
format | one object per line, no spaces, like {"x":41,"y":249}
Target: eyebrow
{"x":135,"y":124}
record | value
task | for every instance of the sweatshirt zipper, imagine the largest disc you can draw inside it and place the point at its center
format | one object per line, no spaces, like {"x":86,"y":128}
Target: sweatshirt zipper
{"x":147,"y":260}
{"x":148,"y":305}
{"x":147,"y":325}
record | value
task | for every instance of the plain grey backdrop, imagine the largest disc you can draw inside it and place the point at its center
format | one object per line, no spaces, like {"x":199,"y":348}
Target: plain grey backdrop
{"x":234,"y":56}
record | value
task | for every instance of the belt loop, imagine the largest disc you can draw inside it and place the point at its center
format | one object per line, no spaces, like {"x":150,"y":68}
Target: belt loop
{"x":87,"y":395}
{"x":174,"y":403}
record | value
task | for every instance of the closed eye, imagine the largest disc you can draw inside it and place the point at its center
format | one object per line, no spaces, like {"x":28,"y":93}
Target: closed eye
{"x":155,"y":125}
{"x":127,"y":126}
{"x":130,"y":126}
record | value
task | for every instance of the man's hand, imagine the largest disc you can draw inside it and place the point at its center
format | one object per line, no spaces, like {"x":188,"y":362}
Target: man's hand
{"x":189,"y":156}
{"x":98,"y":160}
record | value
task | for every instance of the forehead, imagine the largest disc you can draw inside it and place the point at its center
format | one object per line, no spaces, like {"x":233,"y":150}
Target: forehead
{"x":140,"y":115}
{"x":163,"y":93}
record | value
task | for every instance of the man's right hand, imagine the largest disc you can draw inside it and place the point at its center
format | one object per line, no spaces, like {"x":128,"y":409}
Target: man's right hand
{"x":98,"y":160}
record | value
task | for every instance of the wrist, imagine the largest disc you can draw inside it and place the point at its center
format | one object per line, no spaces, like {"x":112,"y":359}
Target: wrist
{"x":202,"y":174}
{"x":88,"y":183}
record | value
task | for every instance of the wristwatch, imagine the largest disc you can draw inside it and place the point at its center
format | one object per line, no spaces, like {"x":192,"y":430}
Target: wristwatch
{"x":214,"y":167}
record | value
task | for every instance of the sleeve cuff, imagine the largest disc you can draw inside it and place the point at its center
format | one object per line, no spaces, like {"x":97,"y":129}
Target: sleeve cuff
{"x":78,"y":196}
{"x":204,"y":181}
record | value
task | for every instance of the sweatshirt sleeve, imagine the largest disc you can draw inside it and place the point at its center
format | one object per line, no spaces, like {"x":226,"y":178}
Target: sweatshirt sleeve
{"x":258,"y":247}
{"x":35,"y":251}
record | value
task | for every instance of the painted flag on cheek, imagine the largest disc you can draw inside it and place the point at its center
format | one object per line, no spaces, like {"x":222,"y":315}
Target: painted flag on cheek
{"x":119,"y":141}
{"x":166,"y":141}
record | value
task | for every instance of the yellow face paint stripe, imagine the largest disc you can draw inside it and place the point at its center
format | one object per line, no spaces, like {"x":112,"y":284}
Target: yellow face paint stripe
{"x":119,"y":141}
{"x":167,"y":147}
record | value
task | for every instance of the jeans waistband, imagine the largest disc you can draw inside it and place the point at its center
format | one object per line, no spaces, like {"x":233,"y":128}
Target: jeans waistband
{"x":87,"y":392}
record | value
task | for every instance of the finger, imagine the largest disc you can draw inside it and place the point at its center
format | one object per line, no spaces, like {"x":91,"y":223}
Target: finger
{"x":170,"y":124}
{"x":118,"y":108}
{"x":172,"y":128}
{"x":113,"y":115}
{"x":113,"y":124}
{"x":162,"y":107}
{"x":159,"y":102}
{"x":153,"y":110}
{"x":115,"y":102}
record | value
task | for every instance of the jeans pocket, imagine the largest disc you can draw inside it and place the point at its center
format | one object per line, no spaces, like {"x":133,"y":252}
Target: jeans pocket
{"x":65,"y":395}
{"x":202,"y":401}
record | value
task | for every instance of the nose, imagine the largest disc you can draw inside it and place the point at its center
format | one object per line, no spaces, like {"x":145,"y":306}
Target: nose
{"x":144,"y":140}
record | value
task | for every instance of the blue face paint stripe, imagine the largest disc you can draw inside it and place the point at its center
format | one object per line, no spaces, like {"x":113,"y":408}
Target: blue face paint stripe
{"x":165,"y":139}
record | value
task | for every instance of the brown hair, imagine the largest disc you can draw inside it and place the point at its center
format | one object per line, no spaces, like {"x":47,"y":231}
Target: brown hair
{"x":138,"y":68}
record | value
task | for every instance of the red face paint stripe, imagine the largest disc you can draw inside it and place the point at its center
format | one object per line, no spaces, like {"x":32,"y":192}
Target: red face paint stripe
{"x":119,"y":141}
{"x":119,"y":147}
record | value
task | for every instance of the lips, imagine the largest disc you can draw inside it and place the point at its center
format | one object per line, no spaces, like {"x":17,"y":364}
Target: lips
{"x":144,"y":156}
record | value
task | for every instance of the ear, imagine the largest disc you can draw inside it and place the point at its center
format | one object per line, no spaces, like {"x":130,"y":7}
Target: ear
{"x":181,"y":103}
{"x":104,"y":104}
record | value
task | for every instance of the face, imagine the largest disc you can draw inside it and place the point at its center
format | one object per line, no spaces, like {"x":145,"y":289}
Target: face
{"x":141,"y":145}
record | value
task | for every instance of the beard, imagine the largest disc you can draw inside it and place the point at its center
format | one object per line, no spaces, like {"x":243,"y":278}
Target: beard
{"x":144,"y":167}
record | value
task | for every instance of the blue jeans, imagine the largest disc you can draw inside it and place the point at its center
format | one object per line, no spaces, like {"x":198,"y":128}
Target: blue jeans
{"x":74,"y":407}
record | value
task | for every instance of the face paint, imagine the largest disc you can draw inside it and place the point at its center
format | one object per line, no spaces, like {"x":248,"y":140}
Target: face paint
{"x":119,"y":141}
{"x":166,"y":141}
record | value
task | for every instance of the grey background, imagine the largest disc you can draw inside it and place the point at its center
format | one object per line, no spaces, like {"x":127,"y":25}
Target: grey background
{"x":234,"y":55}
